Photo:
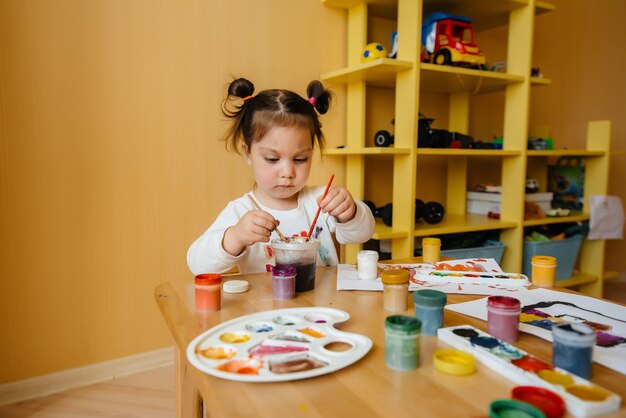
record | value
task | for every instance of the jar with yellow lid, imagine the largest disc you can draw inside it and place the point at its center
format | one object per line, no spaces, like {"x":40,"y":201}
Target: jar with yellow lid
{"x":543,"y":270}
{"x":431,"y":250}
{"x":395,"y":289}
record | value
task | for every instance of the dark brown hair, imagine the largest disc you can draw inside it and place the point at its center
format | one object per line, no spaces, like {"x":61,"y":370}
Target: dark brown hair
{"x":252,"y":119}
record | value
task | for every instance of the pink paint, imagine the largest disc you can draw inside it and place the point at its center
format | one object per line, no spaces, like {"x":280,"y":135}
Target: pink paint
{"x":503,"y":317}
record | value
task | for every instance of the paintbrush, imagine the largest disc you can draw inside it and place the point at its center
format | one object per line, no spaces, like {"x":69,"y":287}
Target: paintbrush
{"x":256,"y":205}
{"x":319,"y":209}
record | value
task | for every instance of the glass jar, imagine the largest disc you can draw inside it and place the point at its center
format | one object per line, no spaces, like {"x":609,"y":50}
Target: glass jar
{"x":429,"y":306}
{"x":572,"y":348}
{"x":503,"y":317}
{"x":208,"y":292}
{"x":367,"y":264}
{"x":302,"y":255}
{"x":543,"y":270}
{"x":395,"y":289}
{"x":402,"y":342}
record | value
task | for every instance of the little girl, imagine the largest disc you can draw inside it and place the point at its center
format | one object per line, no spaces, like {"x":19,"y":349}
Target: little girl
{"x":276,"y":131}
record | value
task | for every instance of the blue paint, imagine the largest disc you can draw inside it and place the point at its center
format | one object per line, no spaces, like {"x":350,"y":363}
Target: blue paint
{"x":429,"y":306}
{"x":487,"y":342}
{"x":573,"y":348}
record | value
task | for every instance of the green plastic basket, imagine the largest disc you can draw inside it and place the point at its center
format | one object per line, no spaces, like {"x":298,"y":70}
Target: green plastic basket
{"x":494,"y":250}
{"x":565,"y":251}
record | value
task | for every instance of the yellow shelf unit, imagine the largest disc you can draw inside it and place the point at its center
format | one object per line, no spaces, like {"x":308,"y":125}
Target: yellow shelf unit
{"x":409,"y":78}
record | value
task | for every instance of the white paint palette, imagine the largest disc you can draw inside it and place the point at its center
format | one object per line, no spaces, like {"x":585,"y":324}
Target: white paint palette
{"x":582,"y":398}
{"x":278,"y":345}
{"x":471,"y":277}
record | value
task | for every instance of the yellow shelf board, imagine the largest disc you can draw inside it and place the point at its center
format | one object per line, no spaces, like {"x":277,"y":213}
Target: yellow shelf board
{"x":468,"y":152}
{"x":577,"y":279}
{"x":380,"y":72}
{"x":610,"y":275}
{"x":565,"y":152}
{"x":453,"y":223}
{"x":544,"y":7}
{"x":382,"y":231}
{"x":383,"y":8}
{"x":557,"y":220}
{"x":535,"y":81}
{"x":366,"y":151}
{"x":449,"y":79}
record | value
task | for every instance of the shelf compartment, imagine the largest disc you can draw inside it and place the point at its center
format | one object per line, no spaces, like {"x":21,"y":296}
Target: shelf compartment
{"x":565,"y":152}
{"x":453,"y":223}
{"x":448,"y":79}
{"x":379,"y":73}
{"x":468,"y":152}
{"x":581,"y":217}
{"x":382,"y":231}
{"x":367,"y":151}
{"x":577,"y":279}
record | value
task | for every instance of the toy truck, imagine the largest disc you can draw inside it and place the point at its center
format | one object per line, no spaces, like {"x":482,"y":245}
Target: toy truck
{"x":449,"y":40}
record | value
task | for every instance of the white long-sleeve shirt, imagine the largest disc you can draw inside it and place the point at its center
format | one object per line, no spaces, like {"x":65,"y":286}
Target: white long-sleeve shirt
{"x":206,"y":254}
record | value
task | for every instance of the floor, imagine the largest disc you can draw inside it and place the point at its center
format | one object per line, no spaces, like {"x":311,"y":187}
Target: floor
{"x":148,"y":394}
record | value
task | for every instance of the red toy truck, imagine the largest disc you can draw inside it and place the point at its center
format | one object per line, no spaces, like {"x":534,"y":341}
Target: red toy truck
{"x":449,"y":39}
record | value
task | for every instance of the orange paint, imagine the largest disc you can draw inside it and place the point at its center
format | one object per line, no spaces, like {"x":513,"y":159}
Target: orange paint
{"x":218,"y":353}
{"x":588,"y":393}
{"x":312,"y":332}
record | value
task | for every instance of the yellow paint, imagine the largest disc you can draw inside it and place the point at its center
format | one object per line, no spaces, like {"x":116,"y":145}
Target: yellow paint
{"x":588,"y":393}
{"x":556,"y":378}
{"x":312,"y":332}
{"x":234,"y":337}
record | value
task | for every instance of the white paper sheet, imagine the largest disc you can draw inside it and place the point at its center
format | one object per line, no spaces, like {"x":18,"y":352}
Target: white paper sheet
{"x":570,"y":307}
{"x":606,"y":217}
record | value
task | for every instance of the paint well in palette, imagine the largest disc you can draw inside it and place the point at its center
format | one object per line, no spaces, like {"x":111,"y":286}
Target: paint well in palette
{"x":287,"y":320}
{"x":235,"y":337}
{"x":291,"y":336}
{"x":217,"y":352}
{"x":242,"y":366}
{"x":260,"y":327}
{"x":296,"y":364}
{"x":556,"y":377}
{"x":318,"y":318}
{"x":270,"y":347}
{"x":313,"y":332}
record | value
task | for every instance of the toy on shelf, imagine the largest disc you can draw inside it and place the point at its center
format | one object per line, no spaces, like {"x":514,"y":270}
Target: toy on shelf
{"x":428,"y":137}
{"x":373,"y":51}
{"x":384,"y":138}
{"x":431,"y":212}
{"x":449,"y":40}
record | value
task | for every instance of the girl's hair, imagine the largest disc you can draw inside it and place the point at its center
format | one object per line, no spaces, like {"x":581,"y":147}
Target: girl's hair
{"x":252,"y":119}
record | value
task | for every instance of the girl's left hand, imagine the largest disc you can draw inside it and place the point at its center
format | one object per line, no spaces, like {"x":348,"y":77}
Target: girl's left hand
{"x":338,"y":203}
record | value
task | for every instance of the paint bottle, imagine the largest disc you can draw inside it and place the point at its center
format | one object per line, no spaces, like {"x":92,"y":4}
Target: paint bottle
{"x":572,"y":349}
{"x":402,"y":342}
{"x":503,"y":317}
{"x":284,"y":281}
{"x":208,"y":292}
{"x":395,"y":289}
{"x":367,"y":264}
{"x":431,"y":250}
{"x":543,"y":270}
{"x":429,"y":306}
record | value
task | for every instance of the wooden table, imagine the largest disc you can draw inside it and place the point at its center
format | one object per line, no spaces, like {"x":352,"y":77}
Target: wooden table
{"x":365,"y":389}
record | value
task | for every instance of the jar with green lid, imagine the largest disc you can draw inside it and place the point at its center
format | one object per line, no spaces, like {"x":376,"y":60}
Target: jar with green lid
{"x":402,"y":342}
{"x":429,"y":306}
{"x":395,"y":289}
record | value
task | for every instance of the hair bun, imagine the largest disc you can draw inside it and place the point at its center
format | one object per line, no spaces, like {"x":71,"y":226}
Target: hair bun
{"x":322,"y":96}
{"x":241,"y":88}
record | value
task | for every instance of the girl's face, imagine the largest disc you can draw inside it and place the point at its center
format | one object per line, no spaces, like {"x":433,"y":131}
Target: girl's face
{"x":281,"y":163}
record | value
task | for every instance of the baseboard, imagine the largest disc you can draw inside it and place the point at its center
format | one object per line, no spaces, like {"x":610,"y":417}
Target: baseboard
{"x":35,"y":387}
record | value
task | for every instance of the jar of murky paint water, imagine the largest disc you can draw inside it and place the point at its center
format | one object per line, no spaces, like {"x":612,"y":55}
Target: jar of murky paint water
{"x":431,"y":250}
{"x":402,"y":342}
{"x":572,"y":348}
{"x":367,"y":264}
{"x":395,"y":289}
{"x":503,"y":317}
{"x":543,"y":270}
{"x":208,"y":292}
{"x":429,"y":306}
{"x":284,"y":282}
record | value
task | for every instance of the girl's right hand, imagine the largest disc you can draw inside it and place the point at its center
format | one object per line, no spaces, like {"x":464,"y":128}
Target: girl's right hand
{"x":255,"y":226}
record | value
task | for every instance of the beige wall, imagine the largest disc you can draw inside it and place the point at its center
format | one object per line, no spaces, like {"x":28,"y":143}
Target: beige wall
{"x":110,"y":163}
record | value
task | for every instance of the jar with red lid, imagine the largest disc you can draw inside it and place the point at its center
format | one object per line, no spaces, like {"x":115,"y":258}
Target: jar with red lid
{"x":503,"y":317}
{"x":208,"y":292}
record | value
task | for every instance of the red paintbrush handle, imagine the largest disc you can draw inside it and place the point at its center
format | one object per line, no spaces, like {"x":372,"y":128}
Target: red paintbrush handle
{"x":319,"y":209}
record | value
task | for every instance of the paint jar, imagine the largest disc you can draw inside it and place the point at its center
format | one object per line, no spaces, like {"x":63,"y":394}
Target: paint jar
{"x":572,"y":348}
{"x":402,"y":342}
{"x":284,"y":282}
{"x":367,"y":264}
{"x":208,"y":292}
{"x":395,"y":289}
{"x":507,"y":408}
{"x":543,"y":270}
{"x":503,"y":317}
{"x":431,"y":250}
{"x":302,"y":255}
{"x":429,"y":306}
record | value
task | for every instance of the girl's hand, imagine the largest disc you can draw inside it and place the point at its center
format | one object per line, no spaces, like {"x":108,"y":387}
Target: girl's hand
{"x":255,"y":226}
{"x":338,"y":203}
